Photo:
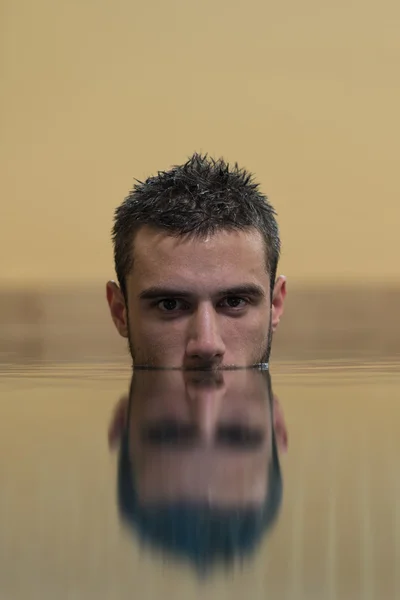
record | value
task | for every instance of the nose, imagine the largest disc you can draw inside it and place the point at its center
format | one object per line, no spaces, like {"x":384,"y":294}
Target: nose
{"x":204,"y":346}
{"x":205,"y":408}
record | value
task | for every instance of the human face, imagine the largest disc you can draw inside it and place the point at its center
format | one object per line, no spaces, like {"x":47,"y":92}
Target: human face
{"x":201,"y":437}
{"x":197,"y":303}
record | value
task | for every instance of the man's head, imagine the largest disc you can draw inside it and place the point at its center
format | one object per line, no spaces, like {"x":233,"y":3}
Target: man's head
{"x":199,"y":470}
{"x":196,"y":251}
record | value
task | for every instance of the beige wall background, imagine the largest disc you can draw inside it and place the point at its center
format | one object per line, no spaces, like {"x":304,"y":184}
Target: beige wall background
{"x":304,"y":94}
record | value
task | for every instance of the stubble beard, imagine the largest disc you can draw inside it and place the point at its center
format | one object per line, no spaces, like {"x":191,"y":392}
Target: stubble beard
{"x":263,"y":359}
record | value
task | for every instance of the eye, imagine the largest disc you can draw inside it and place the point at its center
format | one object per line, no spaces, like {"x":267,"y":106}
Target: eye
{"x":169,"y":433}
{"x":241,"y":437}
{"x":234,"y":302}
{"x":170,"y":305}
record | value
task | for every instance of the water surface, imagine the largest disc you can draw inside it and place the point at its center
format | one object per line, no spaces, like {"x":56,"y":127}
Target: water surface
{"x":336,"y":534}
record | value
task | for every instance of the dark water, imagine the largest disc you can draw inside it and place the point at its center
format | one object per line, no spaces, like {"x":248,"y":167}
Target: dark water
{"x":196,"y":497}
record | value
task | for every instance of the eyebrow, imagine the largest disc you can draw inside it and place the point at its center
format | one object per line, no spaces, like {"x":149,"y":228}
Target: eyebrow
{"x":247,"y":289}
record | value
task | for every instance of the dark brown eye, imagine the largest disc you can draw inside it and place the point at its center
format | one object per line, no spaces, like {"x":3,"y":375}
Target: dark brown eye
{"x":237,"y":436}
{"x":169,"y":433}
{"x":169,"y":304}
{"x":234,"y":302}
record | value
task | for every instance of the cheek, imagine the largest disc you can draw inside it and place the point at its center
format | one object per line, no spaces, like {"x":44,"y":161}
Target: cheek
{"x":246,"y":333}
{"x":254,"y":325}
{"x":155,"y":334}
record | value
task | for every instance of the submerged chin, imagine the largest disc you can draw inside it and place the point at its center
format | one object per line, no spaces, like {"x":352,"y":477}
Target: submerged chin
{"x":151,"y":363}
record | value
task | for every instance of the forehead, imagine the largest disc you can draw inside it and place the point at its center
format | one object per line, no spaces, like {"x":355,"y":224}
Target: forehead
{"x":233,"y":478}
{"x":231,"y":255}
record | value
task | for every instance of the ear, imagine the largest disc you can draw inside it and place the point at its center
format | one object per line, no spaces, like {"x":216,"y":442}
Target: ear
{"x":278,"y":298}
{"x":280,"y":429}
{"x":116,"y":302}
{"x":118,"y":422}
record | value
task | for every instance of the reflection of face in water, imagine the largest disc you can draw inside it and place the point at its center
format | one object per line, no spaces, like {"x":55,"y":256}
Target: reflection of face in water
{"x":199,"y":471}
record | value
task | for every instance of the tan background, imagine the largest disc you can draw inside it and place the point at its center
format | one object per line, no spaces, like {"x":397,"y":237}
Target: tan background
{"x":95,"y":93}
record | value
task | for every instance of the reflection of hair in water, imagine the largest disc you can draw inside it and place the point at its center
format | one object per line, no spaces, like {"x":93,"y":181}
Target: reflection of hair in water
{"x":200,"y":533}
